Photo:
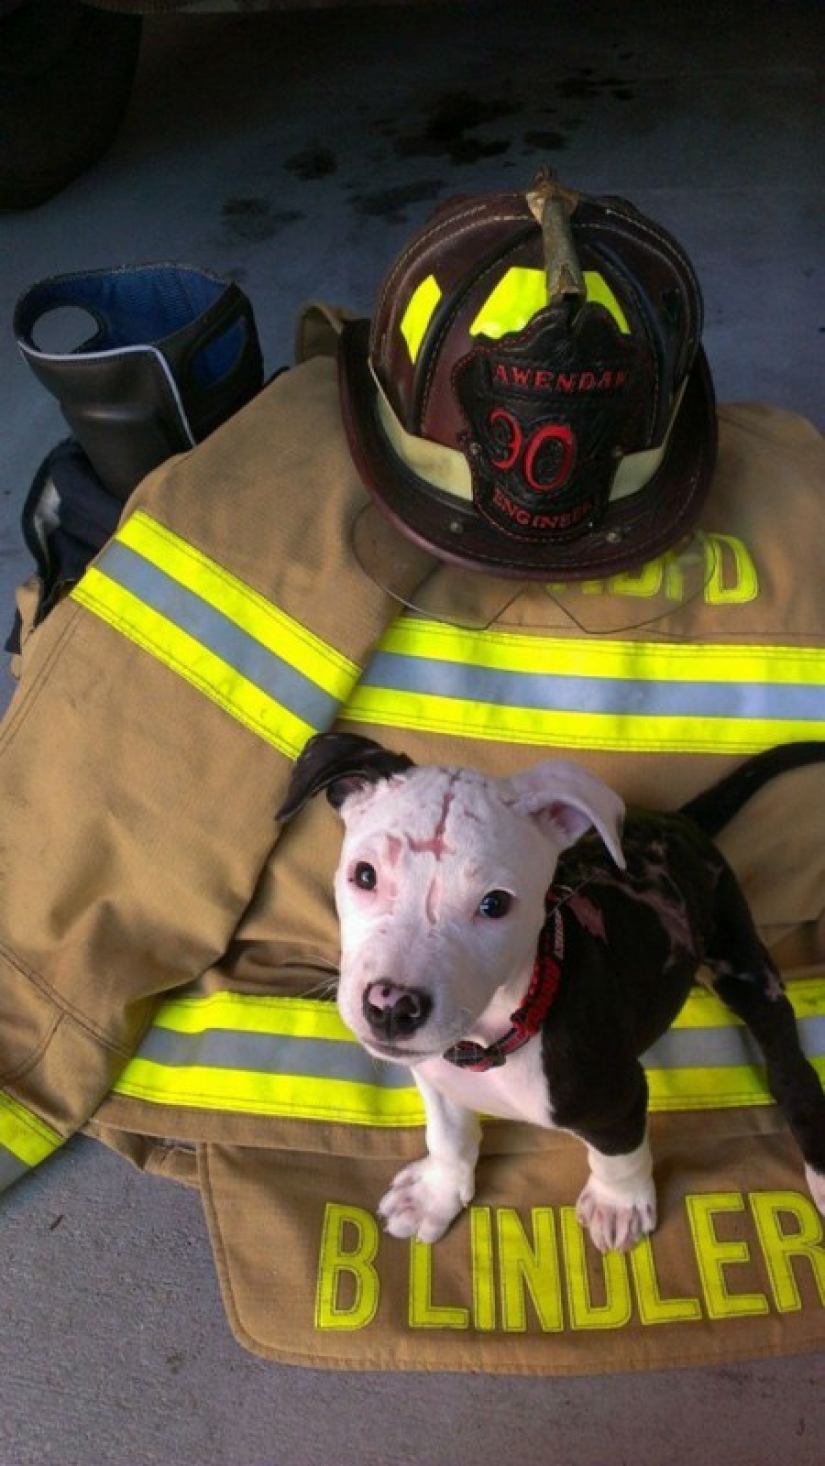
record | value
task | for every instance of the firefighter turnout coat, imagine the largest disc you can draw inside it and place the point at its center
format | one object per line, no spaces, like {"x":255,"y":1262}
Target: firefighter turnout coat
{"x":168,"y":951}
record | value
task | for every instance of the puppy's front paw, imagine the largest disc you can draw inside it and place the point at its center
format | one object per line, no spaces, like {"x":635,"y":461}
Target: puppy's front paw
{"x":615,"y":1221}
{"x":425,"y":1197}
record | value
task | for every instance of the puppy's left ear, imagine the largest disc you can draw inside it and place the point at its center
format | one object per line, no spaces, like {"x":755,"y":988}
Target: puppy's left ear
{"x":566,"y":800}
{"x":341,"y":763}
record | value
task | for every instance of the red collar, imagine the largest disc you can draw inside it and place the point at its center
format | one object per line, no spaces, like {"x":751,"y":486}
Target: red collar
{"x":527,"y":1020}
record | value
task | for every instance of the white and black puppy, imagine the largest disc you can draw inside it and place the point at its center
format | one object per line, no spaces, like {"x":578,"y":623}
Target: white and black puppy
{"x":520,"y":942}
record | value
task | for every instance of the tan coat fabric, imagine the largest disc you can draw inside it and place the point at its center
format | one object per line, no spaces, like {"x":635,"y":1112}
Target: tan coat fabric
{"x":139,"y":856}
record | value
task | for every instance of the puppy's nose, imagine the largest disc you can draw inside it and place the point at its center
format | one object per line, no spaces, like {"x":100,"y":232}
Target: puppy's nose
{"x":395,"y":1012}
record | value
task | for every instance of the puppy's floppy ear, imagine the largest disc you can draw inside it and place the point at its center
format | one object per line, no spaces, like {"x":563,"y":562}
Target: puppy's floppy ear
{"x":566,"y":800}
{"x":341,"y":763}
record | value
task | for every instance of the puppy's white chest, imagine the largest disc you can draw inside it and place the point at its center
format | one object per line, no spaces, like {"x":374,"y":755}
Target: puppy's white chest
{"x":517,"y":1090}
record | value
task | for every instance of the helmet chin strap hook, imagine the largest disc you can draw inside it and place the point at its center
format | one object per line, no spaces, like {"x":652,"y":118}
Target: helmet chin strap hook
{"x":551,"y":206}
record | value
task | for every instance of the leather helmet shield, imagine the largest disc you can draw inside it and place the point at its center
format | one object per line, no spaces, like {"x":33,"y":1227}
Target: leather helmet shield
{"x":546,"y":410}
{"x":526,"y":430}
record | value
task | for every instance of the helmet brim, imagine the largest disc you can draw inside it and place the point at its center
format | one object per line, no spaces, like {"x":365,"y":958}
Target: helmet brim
{"x":633,"y":531}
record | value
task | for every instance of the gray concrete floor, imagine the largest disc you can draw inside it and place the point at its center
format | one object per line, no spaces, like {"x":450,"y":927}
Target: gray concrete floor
{"x":295,"y":153}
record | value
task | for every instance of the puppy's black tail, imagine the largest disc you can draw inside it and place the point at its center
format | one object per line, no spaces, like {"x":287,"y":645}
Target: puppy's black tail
{"x":715,"y":807}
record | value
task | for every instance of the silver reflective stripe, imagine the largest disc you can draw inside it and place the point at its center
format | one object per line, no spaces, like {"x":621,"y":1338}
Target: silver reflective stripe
{"x":25,"y":1140}
{"x":266,"y":1053}
{"x":223,"y":636}
{"x":546,"y":691}
{"x":717,"y":1048}
{"x":724,"y":1045}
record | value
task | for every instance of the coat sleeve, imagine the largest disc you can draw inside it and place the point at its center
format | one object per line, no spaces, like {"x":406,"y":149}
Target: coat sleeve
{"x":151,"y":737}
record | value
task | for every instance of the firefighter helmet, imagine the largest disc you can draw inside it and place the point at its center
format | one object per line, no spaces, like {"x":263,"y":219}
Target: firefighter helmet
{"x":531,"y":397}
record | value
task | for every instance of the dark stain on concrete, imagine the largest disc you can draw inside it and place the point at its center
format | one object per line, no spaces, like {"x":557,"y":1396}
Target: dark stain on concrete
{"x":311,"y":163}
{"x":391,"y":203}
{"x":254,"y":219}
{"x":545,"y":140}
{"x":445,"y":131}
{"x":585,"y":84}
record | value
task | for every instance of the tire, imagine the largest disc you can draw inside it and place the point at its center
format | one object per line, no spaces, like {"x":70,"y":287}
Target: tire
{"x":66,"y":73}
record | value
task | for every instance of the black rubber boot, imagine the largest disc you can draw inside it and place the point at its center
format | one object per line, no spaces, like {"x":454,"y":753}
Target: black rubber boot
{"x":174,"y":354}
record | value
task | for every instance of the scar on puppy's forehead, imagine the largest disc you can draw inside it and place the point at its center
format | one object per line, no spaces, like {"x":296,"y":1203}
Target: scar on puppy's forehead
{"x":436,"y":844}
{"x":432,"y":901}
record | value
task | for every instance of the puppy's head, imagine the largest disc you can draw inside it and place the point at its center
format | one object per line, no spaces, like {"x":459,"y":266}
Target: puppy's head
{"x":441,"y":883}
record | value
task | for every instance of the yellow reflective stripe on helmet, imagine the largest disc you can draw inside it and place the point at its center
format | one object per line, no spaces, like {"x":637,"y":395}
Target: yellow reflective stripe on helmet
{"x":600,"y":293}
{"x":514,"y":300}
{"x":294,"y":1058}
{"x":522,"y":292}
{"x":419,"y":313}
{"x":25,"y":1140}
{"x":591,"y":693}
{"x":259,"y":664}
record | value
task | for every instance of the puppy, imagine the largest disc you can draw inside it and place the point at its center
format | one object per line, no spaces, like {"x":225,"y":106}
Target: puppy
{"x":520,"y":942}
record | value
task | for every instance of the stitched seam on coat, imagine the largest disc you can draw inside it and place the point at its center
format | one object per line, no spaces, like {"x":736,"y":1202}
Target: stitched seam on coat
{"x":66,"y":1009}
{"x":12,"y":1076}
{"x":17,"y":717}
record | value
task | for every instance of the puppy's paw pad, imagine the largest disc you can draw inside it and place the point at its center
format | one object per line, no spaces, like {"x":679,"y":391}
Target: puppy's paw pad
{"x":425,"y":1198}
{"x":616,"y":1225}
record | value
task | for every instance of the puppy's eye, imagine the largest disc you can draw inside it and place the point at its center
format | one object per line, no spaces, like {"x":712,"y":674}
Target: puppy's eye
{"x":495,"y":904}
{"x":365,"y":876}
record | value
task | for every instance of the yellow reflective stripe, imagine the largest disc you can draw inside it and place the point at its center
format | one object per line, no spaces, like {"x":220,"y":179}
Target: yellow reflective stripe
{"x":600,"y":293}
{"x":419,"y":313}
{"x":522,"y":292}
{"x":256,"y":1093}
{"x":318,"y":1019}
{"x":609,"y":732}
{"x":704,"y":1010}
{"x":183,"y":654}
{"x":634,"y":660}
{"x":242,"y":604}
{"x":28,"y":1138}
{"x":247,"y":1013}
{"x":722,"y":1088}
{"x":256,"y":662}
{"x":512,"y":302}
{"x":293,"y":1057}
{"x":587,"y":693}
{"x":266,"y":1056}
